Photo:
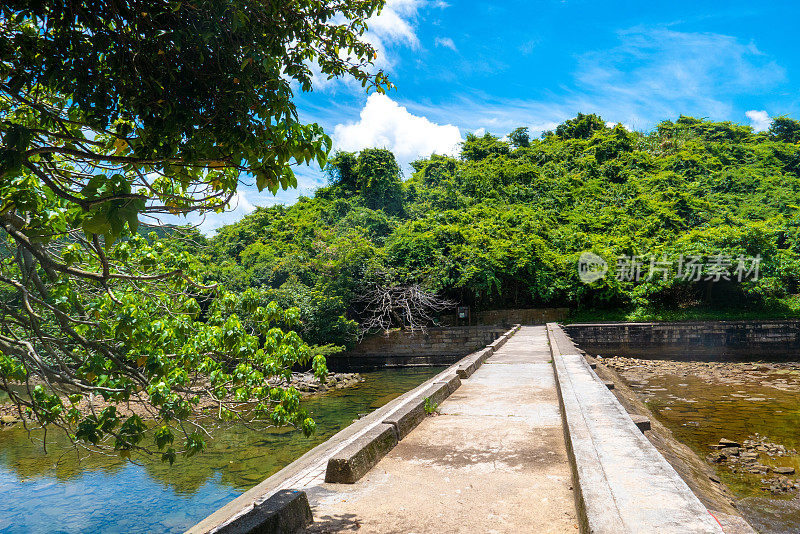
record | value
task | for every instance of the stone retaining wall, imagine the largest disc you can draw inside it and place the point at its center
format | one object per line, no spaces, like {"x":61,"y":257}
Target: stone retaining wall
{"x":508,"y":317}
{"x":722,"y":340}
{"x":398,"y":348}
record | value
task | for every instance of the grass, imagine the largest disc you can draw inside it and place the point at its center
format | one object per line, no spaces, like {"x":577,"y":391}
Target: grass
{"x":429,"y":407}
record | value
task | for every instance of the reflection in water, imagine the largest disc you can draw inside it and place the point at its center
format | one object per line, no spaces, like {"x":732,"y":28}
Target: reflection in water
{"x":55,"y":493}
{"x":700,"y":411}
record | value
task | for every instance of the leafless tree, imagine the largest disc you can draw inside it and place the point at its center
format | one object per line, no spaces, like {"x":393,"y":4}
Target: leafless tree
{"x":410,"y":307}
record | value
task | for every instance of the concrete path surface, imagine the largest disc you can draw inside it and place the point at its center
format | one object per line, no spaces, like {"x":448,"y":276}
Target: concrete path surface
{"x":493,"y":460}
{"x":626,"y":485}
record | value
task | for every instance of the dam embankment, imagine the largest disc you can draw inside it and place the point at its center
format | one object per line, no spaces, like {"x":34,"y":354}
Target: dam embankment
{"x":703,"y":340}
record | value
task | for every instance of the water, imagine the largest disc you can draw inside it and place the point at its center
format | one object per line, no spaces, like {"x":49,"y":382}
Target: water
{"x":700,"y":406}
{"x":55,"y":493}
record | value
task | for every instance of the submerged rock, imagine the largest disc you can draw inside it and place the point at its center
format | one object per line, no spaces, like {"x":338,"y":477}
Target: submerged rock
{"x":9,"y":419}
{"x":308,"y":383}
{"x":730,"y":451}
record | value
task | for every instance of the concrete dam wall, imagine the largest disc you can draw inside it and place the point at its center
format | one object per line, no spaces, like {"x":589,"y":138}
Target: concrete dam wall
{"x":722,"y":340}
{"x":398,"y":348}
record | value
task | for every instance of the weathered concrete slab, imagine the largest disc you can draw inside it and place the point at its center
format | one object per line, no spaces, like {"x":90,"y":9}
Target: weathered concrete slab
{"x":505,"y":390}
{"x":352,"y":462}
{"x":469,"y":365}
{"x":625,"y":485}
{"x":497,"y":343}
{"x":451,"y":382}
{"x":286,"y":512}
{"x":494,"y":460}
{"x":407,"y":419}
{"x":485,"y":354}
{"x":641,"y":422}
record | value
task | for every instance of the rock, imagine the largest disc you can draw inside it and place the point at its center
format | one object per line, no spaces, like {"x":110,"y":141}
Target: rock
{"x":784,"y":470}
{"x":9,"y":419}
{"x":714,"y":479}
{"x":716,"y":457}
{"x":729,"y":443}
{"x":730,"y":451}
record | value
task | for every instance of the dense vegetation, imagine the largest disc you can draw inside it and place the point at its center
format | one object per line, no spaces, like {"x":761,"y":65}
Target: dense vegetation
{"x":114,"y":115}
{"x":505,"y":224}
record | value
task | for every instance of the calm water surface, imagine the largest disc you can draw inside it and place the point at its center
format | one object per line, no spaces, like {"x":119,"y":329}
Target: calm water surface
{"x":54,"y":493}
{"x":699,"y":412}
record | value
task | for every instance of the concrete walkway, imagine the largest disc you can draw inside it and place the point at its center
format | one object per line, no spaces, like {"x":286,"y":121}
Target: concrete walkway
{"x":626,"y":485}
{"x":494,"y":460}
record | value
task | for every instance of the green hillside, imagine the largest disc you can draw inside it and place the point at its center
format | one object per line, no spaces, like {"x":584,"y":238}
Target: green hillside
{"x":504,"y":225}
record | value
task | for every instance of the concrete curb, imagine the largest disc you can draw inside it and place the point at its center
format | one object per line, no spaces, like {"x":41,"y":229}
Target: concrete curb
{"x":469,"y":365}
{"x":451,"y":383}
{"x":404,"y":420}
{"x":580,"y":502}
{"x":353,"y":462}
{"x":360,"y":444}
{"x":409,"y":416}
{"x":623,"y":484}
{"x":485,"y":354}
{"x":286,"y":512}
{"x":497,"y":343}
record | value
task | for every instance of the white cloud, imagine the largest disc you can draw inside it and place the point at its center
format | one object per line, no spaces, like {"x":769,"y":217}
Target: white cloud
{"x":759,"y":120}
{"x":248,"y":197}
{"x":392,"y":28}
{"x":446,"y":42}
{"x":394,"y":23}
{"x":384,"y":123}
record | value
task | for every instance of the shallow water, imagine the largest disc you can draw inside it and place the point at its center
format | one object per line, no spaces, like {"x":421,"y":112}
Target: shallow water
{"x":699,"y":412}
{"x":54,"y":493}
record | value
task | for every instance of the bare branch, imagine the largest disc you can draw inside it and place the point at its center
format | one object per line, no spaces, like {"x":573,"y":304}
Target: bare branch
{"x":410,"y":307}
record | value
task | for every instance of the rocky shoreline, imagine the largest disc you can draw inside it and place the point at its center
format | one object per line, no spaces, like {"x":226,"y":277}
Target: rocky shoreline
{"x":737,"y":417}
{"x":308,"y":384}
{"x":700,"y":475}
{"x":746,"y":457}
{"x":784,"y":376}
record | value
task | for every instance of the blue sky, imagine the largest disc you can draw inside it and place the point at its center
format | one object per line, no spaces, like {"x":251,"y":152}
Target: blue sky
{"x":464,"y":67}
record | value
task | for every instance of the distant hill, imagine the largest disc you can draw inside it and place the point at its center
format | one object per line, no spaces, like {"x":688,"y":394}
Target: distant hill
{"x":505,"y":224}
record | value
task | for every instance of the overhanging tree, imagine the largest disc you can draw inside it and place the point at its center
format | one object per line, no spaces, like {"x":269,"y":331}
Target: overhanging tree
{"x":116,"y":113}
